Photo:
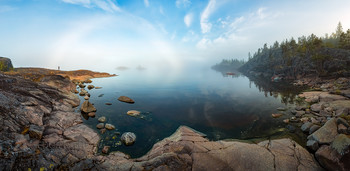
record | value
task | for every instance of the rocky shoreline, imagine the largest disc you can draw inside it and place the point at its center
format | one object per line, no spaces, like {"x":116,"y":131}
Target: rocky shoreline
{"x":41,"y":131}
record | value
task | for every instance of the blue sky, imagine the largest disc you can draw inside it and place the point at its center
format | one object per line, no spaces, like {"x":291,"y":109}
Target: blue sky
{"x":105,"y":34}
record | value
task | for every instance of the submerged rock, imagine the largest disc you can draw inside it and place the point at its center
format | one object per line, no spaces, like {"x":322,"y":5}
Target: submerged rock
{"x":128,"y":138}
{"x":126,"y":99}
{"x":276,"y":115}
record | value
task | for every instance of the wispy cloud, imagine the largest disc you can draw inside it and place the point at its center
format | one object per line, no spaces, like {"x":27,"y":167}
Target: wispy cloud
{"x":106,"y":5}
{"x":205,"y":24}
{"x":182,"y":3}
{"x":188,"y":19}
{"x":146,"y":2}
{"x":6,"y":8}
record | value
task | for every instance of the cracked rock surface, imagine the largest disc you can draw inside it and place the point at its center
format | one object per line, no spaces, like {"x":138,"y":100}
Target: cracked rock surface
{"x":187,"y":149}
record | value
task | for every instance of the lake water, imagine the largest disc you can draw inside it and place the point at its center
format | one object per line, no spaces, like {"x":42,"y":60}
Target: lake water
{"x":220,"y":106}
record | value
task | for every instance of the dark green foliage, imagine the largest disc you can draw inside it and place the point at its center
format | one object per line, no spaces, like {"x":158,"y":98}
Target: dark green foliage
{"x":312,"y":55}
{"x":229,"y":65}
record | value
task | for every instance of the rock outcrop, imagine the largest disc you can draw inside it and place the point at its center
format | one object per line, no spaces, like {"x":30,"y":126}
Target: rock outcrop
{"x":187,"y":149}
{"x":5,"y":64}
{"x":39,"y":128}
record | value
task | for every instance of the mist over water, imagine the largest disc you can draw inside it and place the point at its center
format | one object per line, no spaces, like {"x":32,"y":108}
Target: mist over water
{"x":211,"y":102}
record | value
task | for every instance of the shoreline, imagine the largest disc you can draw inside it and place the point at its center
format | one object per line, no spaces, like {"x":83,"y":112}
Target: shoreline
{"x":158,"y":154}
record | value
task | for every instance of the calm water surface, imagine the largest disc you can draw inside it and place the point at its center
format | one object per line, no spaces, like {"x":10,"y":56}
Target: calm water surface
{"x":220,"y":106}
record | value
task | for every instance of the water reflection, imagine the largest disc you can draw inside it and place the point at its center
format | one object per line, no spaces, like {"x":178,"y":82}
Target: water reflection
{"x":217,"y":104}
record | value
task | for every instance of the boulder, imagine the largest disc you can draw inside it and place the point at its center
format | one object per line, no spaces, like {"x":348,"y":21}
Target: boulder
{"x":133,"y":113}
{"x":100,"y":125}
{"x":312,"y":144}
{"x":102,"y":119}
{"x":90,"y":87}
{"x":5,"y":64}
{"x":126,"y":99}
{"x":128,"y":138}
{"x":86,"y":97}
{"x":326,"y":134}
{"x":313,"y":128}
{"x":299,"y":114}
{"x":316,"y":107}
{"x":330,"y":159}
{"x":306,"y":126}
{"x":341,"y":144}
{"x":87,"y":107}
{"x":109,"y":126}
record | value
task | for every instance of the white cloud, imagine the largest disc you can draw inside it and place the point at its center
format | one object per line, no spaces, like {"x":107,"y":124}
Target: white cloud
{"x":106,"y":5}
{"x":188,"y":19}
{"x":146,"y":2}
{"x":205,"y":24}
{"x":182,"y":3}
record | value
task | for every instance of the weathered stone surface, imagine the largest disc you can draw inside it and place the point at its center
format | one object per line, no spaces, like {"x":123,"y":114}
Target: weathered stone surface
{"x":109,"y":126}
{"x":197,"y":153}
{"x":314,"y":128}
{"x":36,"y":131}
{"x":128,"y":138}
{"x":341,"y":144}
{"x":100,"y":125}
{"x":317,"y":107}
{"x":102,"y":119}
{"x":306,"y":126}
{"x":330,"y":159}
{"x":53,"y":135}
{"x":133,"y":113}
{"x":312,"y":144}
{"x":126,"y":99}
{"x":87,"y":107}
{"x":326,"y":134}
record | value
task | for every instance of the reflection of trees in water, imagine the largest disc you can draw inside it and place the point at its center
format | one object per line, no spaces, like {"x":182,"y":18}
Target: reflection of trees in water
{"x":285,"y":90}
{"x":225,"y":73}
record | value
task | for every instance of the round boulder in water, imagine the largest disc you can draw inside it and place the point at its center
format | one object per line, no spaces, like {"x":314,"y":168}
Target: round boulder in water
{"x":128,"y":138}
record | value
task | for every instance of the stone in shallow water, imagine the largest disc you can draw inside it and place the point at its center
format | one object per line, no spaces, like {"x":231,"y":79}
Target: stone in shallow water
{"x":102,"y":119}
{"x":133,"y":113}
{"x":126,"y":99}
{"x":100,"y":125}
{"x":282,"y":109}
{"x":87,"y":107}
{"x":128,"y":138}
{"x":92,"y":114}
{"x":276,"y":115}
{"x":109,"y":126}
